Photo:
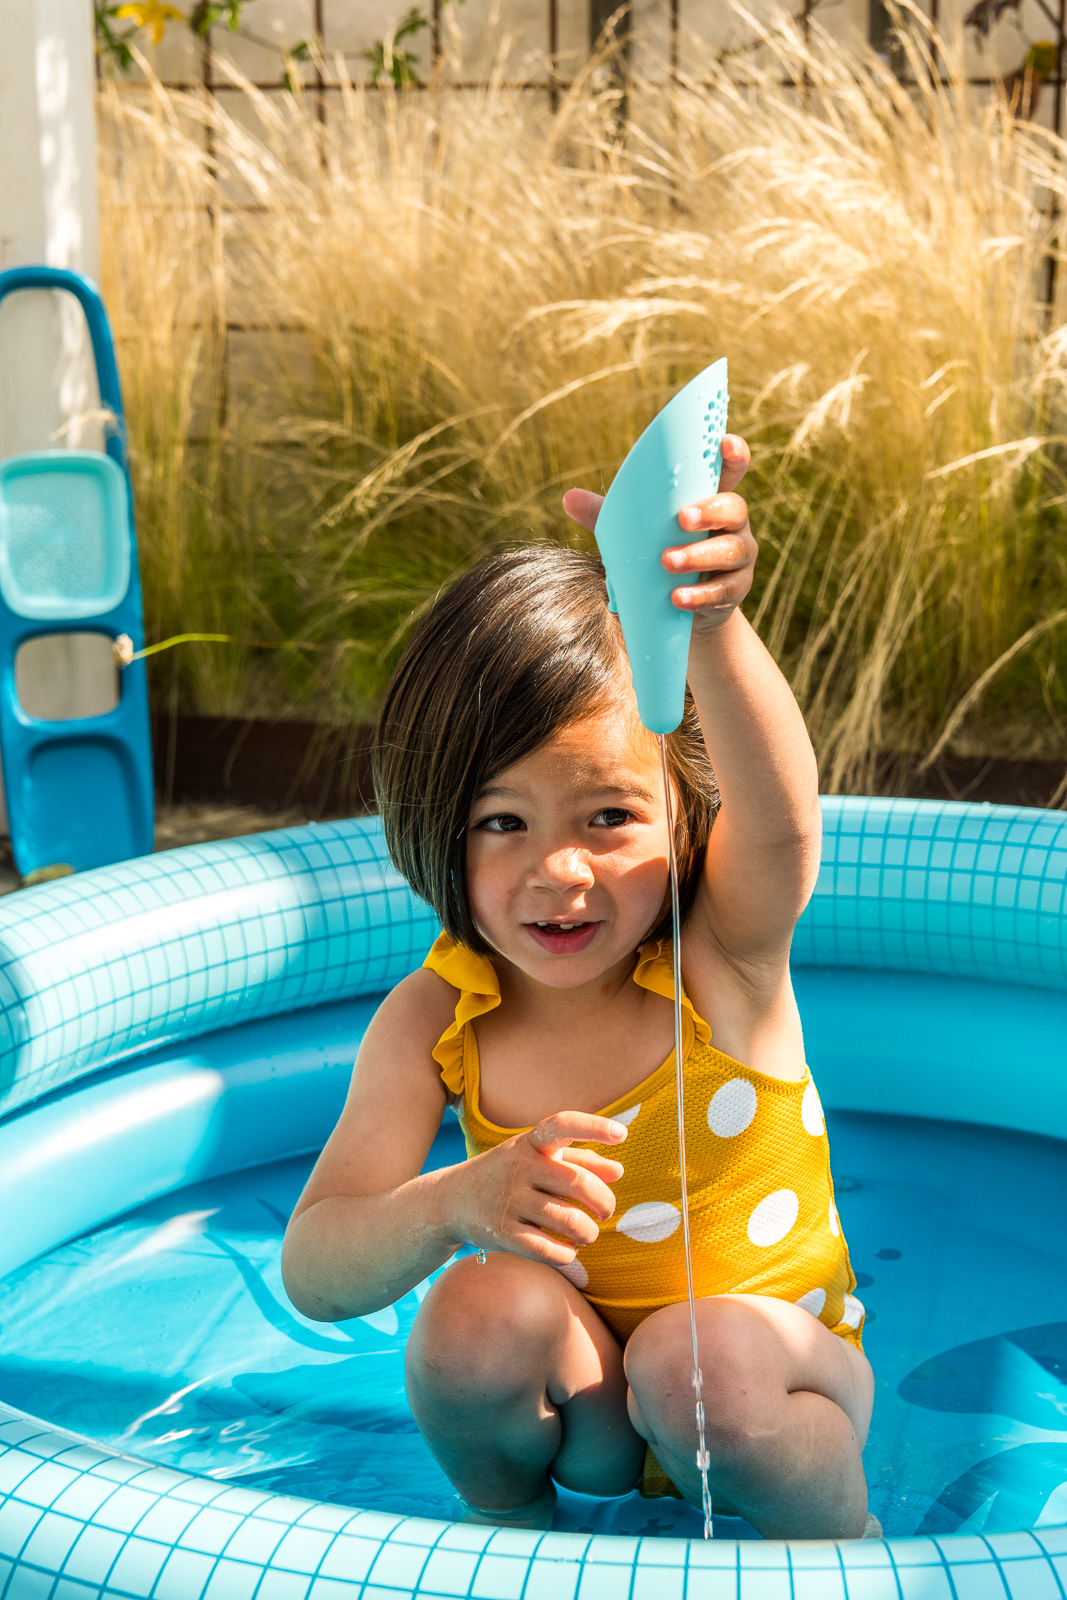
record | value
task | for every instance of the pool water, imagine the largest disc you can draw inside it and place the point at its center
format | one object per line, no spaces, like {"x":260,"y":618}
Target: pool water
{"x":167,"y":1334}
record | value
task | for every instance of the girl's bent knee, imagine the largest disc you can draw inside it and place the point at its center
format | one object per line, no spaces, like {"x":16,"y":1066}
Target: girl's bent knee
{"x":659,"y":1366}
{"x":659,"y":1352}
{"x":481,"y":1316}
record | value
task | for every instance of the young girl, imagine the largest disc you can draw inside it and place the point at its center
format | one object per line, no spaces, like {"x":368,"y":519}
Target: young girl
{"x":522,"y":798}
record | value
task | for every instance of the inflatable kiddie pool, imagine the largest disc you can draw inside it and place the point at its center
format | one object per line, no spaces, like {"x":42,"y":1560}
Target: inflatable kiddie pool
{"x":177,"y":1036}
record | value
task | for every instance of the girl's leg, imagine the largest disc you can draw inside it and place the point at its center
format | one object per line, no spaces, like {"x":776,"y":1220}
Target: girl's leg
{"x":787,"y":1403}
{"x":514,"y":1381}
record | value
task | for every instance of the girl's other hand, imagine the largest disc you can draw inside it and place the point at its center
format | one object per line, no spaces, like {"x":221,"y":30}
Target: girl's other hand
{"x":722,"y":565}
{"x":533,"y":1186}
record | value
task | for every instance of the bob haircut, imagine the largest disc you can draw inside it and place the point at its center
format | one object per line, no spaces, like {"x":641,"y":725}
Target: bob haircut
{"x":514,"y":651}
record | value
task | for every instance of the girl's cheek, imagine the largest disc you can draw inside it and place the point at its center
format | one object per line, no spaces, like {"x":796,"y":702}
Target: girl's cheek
{"x":485,"y":884}
{"x":648,"y":874}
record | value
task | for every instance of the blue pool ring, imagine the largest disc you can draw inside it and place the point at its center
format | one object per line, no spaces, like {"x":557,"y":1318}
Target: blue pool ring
{"x":186,"y":1014}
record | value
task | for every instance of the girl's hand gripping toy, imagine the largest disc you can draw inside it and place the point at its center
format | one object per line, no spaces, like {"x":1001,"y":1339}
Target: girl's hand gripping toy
{"x":676,"y":461}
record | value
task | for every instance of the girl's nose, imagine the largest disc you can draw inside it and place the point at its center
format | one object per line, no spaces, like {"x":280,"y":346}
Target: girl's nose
{"x":562,"y":869}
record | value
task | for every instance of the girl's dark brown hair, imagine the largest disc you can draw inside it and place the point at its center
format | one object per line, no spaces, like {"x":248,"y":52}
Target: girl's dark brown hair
{"x":514,"y":651}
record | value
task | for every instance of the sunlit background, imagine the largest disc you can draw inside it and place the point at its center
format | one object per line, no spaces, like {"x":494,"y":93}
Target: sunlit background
{"x":386,"y":280}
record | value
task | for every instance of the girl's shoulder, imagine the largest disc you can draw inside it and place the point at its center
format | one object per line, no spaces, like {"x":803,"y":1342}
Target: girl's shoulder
{"x":419,"y":1009}
{"x":423,"y":1018}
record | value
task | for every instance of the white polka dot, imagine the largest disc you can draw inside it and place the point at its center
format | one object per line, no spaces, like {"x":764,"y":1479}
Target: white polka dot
{"x":627,"y":1116}
{"x":811,"y":1112}
{"x":732,"y":1108}
{"x":855,"y":1311}
{"x":813,"y":1301}
{"x":834,"y":1227}
{"x":773,"y":1217}
{"x":650,"y":1222}
{"x":574,"y":1272}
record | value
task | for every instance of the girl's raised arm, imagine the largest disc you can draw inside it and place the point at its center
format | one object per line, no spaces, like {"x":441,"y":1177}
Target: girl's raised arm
{"x":763,"y":856}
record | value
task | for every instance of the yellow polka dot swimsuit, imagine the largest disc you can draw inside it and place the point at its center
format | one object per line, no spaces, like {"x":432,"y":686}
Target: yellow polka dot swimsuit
{"x":761,"y":1199}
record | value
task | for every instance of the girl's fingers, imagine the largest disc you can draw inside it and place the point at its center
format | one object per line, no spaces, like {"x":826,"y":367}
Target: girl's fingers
{"x":722,"y":565}
{"x":568,"y":1183}
{"x":726,"y":513}
{"x":576,"y":1175}
{"x":709,"y":596}
{"x":602,"y":1167}
{"x":722,"y":554}
{"x":536,"y":1245}
{"x":735,"y":462}
{"x":553,"y":1133}
{"x":551,"y":1227}
{"x":567,"y":1220}
{"x":583,"y":506}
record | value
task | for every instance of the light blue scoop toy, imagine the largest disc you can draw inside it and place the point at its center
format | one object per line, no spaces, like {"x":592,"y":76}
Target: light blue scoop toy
{"x":675,"y":462}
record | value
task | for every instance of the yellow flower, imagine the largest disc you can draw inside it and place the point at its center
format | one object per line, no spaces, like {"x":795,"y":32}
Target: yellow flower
{"x":151,"y":14}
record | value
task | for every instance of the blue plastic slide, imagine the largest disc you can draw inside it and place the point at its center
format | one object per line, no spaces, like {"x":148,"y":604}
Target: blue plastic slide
{"x":79,"y":790}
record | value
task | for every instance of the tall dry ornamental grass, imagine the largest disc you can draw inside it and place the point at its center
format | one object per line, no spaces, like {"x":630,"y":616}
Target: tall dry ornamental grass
{"x":465,"y":306}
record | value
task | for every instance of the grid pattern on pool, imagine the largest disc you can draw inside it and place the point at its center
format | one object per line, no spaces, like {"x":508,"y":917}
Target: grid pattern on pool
{"x":970,"y":891}
{"x":120,"y":960}
{"x":96,"y":967}
{"x":116,"y":1529}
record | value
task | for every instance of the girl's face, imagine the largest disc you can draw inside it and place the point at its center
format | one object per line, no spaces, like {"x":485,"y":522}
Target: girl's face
{"x":567,"y":851}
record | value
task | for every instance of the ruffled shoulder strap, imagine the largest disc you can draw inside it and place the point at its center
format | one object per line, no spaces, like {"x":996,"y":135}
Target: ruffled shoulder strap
{"x":479,"y":991}
{"x":655,"y":971}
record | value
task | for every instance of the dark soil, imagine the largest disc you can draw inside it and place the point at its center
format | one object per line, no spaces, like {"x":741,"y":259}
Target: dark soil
{"x":274,"y":766}
{"x":325,"y":772}
{"x":999,"y":782}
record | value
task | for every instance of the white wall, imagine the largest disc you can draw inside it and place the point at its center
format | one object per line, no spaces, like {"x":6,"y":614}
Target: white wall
{"x":48,"y":213}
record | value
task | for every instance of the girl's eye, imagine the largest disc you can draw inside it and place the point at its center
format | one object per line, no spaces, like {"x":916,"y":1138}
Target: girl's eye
{"x":611,"y":817}
{"x":504,"y":822}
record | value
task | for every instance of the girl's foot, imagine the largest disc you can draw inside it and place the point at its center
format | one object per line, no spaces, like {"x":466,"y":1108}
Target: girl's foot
{"x":537,"y":1514}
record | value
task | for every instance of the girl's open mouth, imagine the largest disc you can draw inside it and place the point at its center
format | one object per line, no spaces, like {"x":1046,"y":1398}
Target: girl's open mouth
{"x":562,"y":937}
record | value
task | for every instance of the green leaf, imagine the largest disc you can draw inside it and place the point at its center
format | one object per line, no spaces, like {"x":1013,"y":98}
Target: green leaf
{"x":110,"y":43}
{"x":388,"y":61}
{"x":207,"y":13}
